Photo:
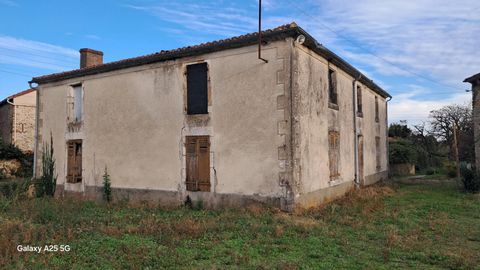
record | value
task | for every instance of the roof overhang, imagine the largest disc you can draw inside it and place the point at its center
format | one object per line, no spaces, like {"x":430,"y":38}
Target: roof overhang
{"x":472,"y":79}
{"x":279,"y":33}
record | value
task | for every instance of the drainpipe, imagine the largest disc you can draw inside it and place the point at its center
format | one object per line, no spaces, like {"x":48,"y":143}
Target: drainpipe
{"x":386,"y":135}
{"x":355,"y":135}
{"x":35,"y":154}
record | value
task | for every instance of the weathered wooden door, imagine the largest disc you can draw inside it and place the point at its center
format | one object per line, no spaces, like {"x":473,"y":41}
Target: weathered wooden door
{"x":360,"y":158}
{"x":198,"y":163}
{"x":74,"y":161}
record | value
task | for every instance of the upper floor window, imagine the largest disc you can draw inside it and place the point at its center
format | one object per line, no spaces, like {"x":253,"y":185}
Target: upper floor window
{"x":197,"y":89}
{"x":359,"y":101}
{"x":75,"y":104}
{"x":332,"y":87}
{"x":376,"y":109}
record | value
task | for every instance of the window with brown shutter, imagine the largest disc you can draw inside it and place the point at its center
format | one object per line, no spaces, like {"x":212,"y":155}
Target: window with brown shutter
{"x":74,"y":161}
{"x":377,"y":152}
{"x":333,"y":153}
{"x":198,"y":163}
{"x":376,"y":110}
{"x":359,"y":102}
{"x":332,"y":87}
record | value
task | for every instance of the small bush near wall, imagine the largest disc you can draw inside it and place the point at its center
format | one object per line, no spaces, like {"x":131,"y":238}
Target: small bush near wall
{"x":48,"y":180}
{"x":107,"y":189}
{"x":11,"y":154}
{"x":13,"y":189}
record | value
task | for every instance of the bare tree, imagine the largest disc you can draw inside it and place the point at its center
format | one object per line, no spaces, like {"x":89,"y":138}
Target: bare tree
{"x":442,"y":125}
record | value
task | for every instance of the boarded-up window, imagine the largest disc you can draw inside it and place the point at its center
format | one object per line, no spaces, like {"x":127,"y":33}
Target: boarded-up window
{"x":332,"y":87}
{"x":197,"y":89}
{"x":377,"y":152}
{"x":74,"y":161}
{"x":198,"y":163}
{"x":333,"y":153}
{"x":359,"y":101}
{"x":376,"y":109}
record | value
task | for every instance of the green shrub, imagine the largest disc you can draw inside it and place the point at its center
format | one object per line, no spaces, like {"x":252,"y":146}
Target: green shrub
{"x":48,"y":181}
{"x":107,"y":189}
{"x":430,"y":171}
{"x":470,"y":179}
{"x":401,"y":152}
{"x":13,"y":189}
{"x":451,"y":171}
{"x":9,"y":151}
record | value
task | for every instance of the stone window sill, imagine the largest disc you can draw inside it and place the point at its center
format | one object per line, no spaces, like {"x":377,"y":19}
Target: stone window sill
{"x":333,"y":106}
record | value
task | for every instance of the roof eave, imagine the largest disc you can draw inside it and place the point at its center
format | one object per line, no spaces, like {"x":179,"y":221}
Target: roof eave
{"x":311,"y":43}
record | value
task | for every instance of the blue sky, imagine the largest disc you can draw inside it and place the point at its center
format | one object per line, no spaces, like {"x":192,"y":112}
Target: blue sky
{"x":420,"y":51}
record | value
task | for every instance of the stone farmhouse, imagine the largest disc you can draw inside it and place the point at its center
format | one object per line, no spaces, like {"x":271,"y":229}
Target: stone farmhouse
{"x":17,"y":120}
{"x":216,"y":124}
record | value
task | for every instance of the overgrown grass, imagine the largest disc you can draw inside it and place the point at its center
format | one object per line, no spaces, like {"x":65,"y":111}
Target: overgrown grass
{"x":409,"y":226}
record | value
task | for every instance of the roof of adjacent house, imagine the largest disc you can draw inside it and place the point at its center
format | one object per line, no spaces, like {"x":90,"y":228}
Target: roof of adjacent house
{"x":473,"y":78}
{"x":278,"y":33}
{"x":24,"y":92}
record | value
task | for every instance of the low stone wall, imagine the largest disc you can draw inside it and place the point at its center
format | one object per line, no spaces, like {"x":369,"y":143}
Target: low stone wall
{"x":402,"y":169}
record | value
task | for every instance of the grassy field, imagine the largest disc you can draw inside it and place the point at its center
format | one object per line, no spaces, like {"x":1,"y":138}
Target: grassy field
{"x":404,"y":226}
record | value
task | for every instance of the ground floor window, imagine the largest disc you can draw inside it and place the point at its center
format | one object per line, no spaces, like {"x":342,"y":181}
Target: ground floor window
{"x":333,"y":153}
{"x":198,"y":163}
{"x":377,"y":152}
{"x":74,"y":161}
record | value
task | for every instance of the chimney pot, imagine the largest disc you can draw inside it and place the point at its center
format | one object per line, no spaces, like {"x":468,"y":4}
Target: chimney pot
{"x":90,"y":58}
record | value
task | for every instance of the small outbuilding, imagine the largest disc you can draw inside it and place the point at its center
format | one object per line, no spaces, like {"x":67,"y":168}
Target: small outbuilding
{"x":17,"y":120}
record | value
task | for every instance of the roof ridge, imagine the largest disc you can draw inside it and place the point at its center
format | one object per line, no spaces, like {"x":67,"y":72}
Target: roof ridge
{"x":292,"y":25}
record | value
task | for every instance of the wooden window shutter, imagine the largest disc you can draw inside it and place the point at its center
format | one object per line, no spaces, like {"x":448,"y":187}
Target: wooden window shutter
{"x":359,"y":100}
{"x":377,"y":152}
{"x":332,"y":85}
{"x":74,"y":161}
{"x":70,"y":106}
{"x":333,"y":153}
{"x":198,"y":163}
{"x":70,"y":161}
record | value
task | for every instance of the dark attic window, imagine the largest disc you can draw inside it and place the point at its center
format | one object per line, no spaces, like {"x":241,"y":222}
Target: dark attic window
{"x":197,"y":89}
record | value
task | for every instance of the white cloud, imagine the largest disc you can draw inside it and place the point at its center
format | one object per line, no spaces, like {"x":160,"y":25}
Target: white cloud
{"x":430,"y":37}
{"x":215,"y":17}
{"x":29,"y":53}
{"x":413,"y":107}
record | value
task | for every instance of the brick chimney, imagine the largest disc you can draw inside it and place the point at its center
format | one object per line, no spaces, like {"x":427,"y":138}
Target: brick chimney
{"x":89,"y":58}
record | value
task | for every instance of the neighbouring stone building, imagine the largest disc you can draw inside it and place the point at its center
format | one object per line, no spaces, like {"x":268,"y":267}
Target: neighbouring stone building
{"x":17,"y":120}
{"x":214,"y":123}
{"x":475,"y":82}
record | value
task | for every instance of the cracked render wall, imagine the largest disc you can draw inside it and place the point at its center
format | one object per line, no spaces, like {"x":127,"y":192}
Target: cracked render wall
{"x":135,"y":124}
{"x":313,"y":118}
